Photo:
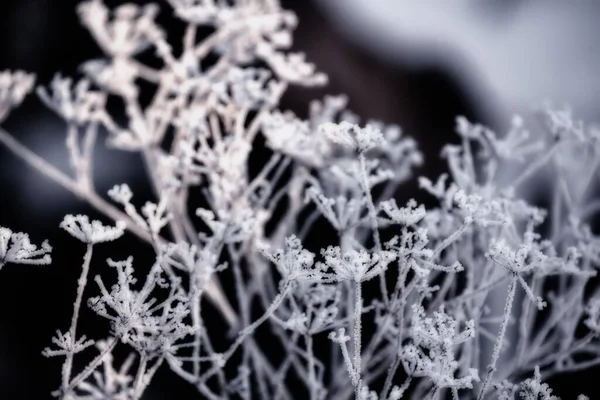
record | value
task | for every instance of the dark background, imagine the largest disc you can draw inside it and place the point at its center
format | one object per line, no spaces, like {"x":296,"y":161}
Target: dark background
{"x":45,"y":37}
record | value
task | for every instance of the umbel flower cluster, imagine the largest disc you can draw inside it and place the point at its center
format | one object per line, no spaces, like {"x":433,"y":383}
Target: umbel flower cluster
{"x":483,"y":296}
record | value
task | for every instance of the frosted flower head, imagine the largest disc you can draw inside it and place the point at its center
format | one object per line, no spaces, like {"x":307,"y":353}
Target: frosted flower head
{"x":411,"y":214}
{"x":80,"y":227}
{"x":292,"y":67}
{"x":432,"y":354}
{"x":14,"y":86}
{"x":352,"y":136}
{"x":199,"y":264}
{"x":356,"y":265}
{"x":294,"y":137}
{"x":246,"y":88}
{"x":341,"y":212}
{"x":526,"y":258}
{"x":128,"y":31}
{"x":534,"y":388}
{"x":593,"y":313}
{"x":339,"y":336}
{"x":439,"y":330}
{"x":121,"y":194}
{"x":136,"y":317}
{"x":73,"y":103}
{"x":16,"y":248}
{"x":476,"y":209}
{"x":156,"y":215}
{"x":67,"y":344}
{"x":314,"y":307}
{"x":293,"y":261}
{"x":195,"y":11}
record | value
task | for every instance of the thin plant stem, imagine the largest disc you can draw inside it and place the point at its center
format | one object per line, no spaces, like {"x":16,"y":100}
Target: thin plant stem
{"x":91,"y":367}
{"x":512,"y":288}
{"x":81,"y":284}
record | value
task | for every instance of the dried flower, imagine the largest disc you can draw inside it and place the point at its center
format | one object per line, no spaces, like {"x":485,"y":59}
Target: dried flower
{"x":16,"y":248}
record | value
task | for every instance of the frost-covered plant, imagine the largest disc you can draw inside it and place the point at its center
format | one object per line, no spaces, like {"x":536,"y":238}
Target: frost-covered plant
{"x":404,"y":293}
{"x":16,"y":248}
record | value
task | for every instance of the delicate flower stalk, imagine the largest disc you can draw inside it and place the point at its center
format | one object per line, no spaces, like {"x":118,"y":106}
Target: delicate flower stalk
{"x":81,"y":284}
{"x":512,"y":288}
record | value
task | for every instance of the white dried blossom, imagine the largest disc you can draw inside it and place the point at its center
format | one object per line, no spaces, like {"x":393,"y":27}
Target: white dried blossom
{"x":409,"y":215}
{"x":355,"y":265}
{"x":480,"y":211}
{"x":352,"y":136}
{"x":366,"y":394}
{"x":116,"y":77}
{"x":439,"y":330}
{"x":136,"y":317}
{"x":14,"y":86}
{"x":16,"y":248}
{"x":328,"y":110}
{"x":534,"y":388}
{"x":339,"y":336}
{"x":154,"y":216}
{"x":294,"y":137}
{"x":349,"y":174}
{"x":121,"y":194}
{"x":236,"y":225}
{"x":80,"y":227}
{"x":292,"y":67}
{"x":293,"y":261}
{"x":128,"y":31}
{"x":593,"y":315}
{"x":66,"y":345}
{"x":528,"y":258}
{"x":432,"y":354}
{"x":157,"y":216}
{"x":198,"y":12}
{"x":76,"y":104}
{"x":200,"y":264}
{"x":412,"y":251}
{"x":247,"y":88}
{"x":341,"y":212}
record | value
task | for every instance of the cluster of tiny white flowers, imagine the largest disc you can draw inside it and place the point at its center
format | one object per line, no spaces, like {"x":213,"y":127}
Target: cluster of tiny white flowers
{"x":14,"y":86}
{"x":80,"y":227}
{"x":16,"y":248}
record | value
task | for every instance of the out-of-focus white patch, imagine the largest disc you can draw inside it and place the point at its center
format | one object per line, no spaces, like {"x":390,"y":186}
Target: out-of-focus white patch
{"x":512,"y":54}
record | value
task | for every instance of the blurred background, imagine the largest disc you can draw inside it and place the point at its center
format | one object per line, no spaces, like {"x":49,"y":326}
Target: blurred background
{"x":414,"y":63}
